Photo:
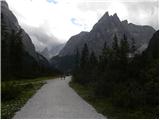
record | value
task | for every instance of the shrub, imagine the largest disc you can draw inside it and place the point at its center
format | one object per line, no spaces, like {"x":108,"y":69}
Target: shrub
{"x":9,"y":90}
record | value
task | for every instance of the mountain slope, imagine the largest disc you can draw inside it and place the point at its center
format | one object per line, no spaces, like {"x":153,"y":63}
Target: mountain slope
{"x":103,"y":31}
{"x":153,"y":47}
{"x":19,"y":58}
{"x":56,"y":49}
{"x":48,"y":54}
{"x":45,"y":53}
{"x":11,"y":23}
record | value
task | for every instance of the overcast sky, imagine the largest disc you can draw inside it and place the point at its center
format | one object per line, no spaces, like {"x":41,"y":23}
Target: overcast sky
{"x":54,"y":21}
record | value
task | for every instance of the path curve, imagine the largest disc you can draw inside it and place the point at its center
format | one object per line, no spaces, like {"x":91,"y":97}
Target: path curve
{"x":57,"y":99}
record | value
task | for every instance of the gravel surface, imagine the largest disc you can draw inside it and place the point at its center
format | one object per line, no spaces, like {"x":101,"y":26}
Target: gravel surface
{"x":57,"y":100}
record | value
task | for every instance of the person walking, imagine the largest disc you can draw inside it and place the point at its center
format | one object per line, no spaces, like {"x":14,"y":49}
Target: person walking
{"x":64,"y":76}
{"x":61,"y":76}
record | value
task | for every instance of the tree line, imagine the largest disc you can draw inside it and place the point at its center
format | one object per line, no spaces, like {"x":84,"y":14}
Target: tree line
{"x":127,"y":79}
{"x":17,"y":62}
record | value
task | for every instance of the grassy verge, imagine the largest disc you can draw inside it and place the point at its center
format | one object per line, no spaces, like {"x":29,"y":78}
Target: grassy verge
{"x":105,"y":107}
{"x":15,"y":93}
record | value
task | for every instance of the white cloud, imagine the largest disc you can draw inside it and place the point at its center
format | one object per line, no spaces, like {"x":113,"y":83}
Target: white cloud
{"x":55,"y":17}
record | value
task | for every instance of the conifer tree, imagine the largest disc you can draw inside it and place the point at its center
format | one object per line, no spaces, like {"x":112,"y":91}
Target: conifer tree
{"x":16,"y":51}
{"x":77,"y":58}
{"x":84,"y":57}
{"x":115,"y":43}
{"x":93,"y":60}
{"x":133,"y":46}
{"x":124,"y":51}
{"x":124,"y":46}
{"x":115,"y":48}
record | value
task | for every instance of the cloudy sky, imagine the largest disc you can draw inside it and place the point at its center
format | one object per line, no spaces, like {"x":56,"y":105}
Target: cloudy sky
{"x":49,"y":22}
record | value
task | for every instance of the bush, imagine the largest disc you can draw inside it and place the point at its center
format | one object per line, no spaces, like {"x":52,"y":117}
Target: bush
{"x":10,"y":90}
{"x":29,"y":86}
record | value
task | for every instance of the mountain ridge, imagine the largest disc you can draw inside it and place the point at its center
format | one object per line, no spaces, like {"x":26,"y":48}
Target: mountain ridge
{"x":103,"y":31}
{"x":53,"y":51}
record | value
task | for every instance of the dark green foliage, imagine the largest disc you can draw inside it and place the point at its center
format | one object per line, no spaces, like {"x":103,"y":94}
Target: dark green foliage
{"x":14,"y":57}
{"x":10,"y":91}
{"x":77,"y":57}
{"x":17,"y":63}
{"x":115,"y":45}
{"x":124,"y":52}
{"x":15,"y":93}
{"x":86,"y":67}
{"x":128,"y":82}
{"x":133,"y":47}
{"x":93,"y":60}
{"x":84,"y":57}
{"x":12,"y":51}
{"x":16,"y":53}
{"x":153,"y":48}
{"x":64,"y":64}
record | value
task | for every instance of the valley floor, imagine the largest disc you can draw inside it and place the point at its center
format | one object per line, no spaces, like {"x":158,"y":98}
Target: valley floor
{"x":104,"y":105}
{"x":57,"y":100}
{"x":15,"y":93}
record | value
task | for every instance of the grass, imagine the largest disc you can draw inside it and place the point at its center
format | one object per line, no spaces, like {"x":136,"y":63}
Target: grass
{"x":105,"y":106}
{"x":15,"y":93}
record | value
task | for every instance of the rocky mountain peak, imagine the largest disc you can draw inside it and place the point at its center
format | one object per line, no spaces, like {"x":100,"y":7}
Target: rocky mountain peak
{"x":104,"y":17}
{"x":45,"y":53}
{"x":8,"y":18}
{"x":104,"y":30}
{"x":4,"y":4}
{"x":115,"y":15}
{"x":106,"y":14}
{"x":111,"y":21}
{"x":116,"y":18}
{"x":107,"y":17}
{"x":125,"y":22}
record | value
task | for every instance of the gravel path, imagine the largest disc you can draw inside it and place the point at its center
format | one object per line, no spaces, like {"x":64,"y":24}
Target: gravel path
{"x":57,"y":100}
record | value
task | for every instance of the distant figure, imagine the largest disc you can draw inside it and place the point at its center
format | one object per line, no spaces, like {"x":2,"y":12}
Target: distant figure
{"x":62,"y":77}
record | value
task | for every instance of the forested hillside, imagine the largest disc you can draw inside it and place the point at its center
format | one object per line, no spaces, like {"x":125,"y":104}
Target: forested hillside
{"x":19,"y":57}
{"x":128,"y":80}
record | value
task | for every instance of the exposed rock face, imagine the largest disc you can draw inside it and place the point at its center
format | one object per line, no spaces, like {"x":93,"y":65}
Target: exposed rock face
{"x":45,"y":53}
{"x":8,"y":17}
{"x":48,"y":54}
{"x":55,"y":49}
{"x":74,"y":43}
{"x":103,"y":31}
